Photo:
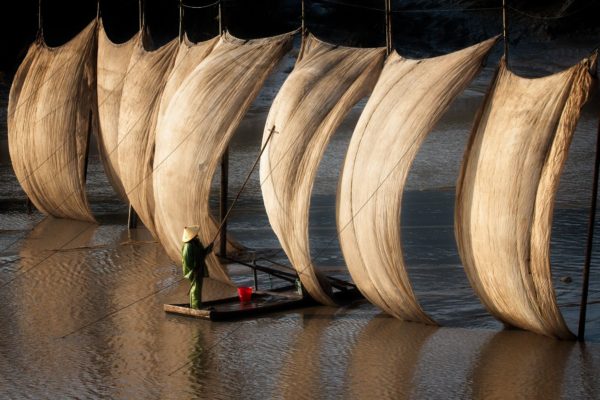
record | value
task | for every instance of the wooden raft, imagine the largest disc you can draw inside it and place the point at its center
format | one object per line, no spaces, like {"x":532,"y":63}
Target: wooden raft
{"x":232,"y":308}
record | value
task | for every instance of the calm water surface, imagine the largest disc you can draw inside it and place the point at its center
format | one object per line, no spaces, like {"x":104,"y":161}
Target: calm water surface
{"x":81,"y":304}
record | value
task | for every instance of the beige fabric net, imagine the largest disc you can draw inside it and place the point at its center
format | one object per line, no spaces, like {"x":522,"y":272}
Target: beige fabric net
{"x":49,"y":110}
{"x":196,"y":128}
{"x":324,"y":85}
{"x":408,"y":100}
{"x":113,"y":61}
{"x":506,"y":192}
{"x":140,"y":99}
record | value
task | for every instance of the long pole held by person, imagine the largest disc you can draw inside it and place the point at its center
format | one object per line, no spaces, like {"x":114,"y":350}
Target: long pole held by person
{"x":224,"y":219}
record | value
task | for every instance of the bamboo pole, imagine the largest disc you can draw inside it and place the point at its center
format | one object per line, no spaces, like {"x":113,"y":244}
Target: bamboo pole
{"x":590,"y":241}
{"x":388,"y":27}
{"x":220,"y":18}
{"x":224,"y":218}
{"x":40,"y":32}
{"x":223,"y":203}
{"x":224,"y":178}
{"x":303,"y":32}
{"x":87,"y":145}
{"x":132,"y":218}
{"x":180,"y":21}
{"x":141,"y":14}
{"x":303,"y":20}
{"x":505,"y":31}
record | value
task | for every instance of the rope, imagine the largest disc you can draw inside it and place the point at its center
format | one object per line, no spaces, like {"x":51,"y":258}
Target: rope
{"x":121,"y":309}
{"x":45,"y":258}
{"x":200,"y":7}
{"x":408,"y":11}
{"x":552,"y":17}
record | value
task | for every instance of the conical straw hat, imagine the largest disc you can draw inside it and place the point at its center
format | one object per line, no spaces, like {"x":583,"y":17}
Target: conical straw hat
{"x":190,"y":232}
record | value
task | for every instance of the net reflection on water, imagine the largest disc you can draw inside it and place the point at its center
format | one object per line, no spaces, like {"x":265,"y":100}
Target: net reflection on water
{"x":74,"y":326}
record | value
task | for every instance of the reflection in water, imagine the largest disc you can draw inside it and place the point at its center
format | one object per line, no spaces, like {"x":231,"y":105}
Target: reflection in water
{"x":83,"y":323}
{"x":300,"y":375}
{"x":386,"y":357}
{"x":520,"y":363}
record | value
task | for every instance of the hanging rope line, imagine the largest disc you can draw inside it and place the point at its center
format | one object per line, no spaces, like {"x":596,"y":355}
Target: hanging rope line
{"x":201,"y":7}
{"x":551,"y":17}
{"x":416,"y":10}
{"x":53,"y":252}
{"x":457,"y":10}
{"x":122,"y":308}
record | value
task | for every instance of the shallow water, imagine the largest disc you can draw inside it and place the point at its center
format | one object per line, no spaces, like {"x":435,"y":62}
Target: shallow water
{"x":81,"y":304}
{"x":86,"y":321}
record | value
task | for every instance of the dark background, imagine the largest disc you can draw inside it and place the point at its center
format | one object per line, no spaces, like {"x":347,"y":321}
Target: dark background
{"x":420,"y":27}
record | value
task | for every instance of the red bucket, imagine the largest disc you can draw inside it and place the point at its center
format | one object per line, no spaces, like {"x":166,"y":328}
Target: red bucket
{"x":244,"y":293}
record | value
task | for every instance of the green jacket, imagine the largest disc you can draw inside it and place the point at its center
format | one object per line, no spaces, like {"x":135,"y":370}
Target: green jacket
{"x":193,"y":259}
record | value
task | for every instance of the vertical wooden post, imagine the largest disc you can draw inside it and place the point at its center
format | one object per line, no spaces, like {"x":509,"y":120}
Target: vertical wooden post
{"x":505,"y":31}
{"x":180,"y":21}
{"x":303,"y":33}
{"x":303,"y":20}
{"x":224,"y":176}
{"x":87,"y":146}
{"x":132,"y":218}
{"x":220,"y":17}
{"x":141,"y":14}
{"x":590,"y":241}
{"x":388,"y":27}
{"x":40,"y":20}
{"x":223,"y":203}
{"x":255,"y":272}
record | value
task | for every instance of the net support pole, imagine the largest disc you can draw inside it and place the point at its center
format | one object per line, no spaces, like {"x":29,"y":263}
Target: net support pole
{"x":505,"y":31}
{"x":303,"y":20}
{"x":40,"y":31}
{"x":180,"y":21}
{"x":303,"y":32}
{"x":388,"y":26}
{"x":223,"y":203}
{"x":87,"y":146}
{"x":224,"y":177}
{"x":220,"y":18}
{"x":590,"y":241}
{"x":132,"y":218}
{"x":141,"y":14}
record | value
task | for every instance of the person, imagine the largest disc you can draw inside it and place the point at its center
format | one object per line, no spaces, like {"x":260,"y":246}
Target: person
{"x":193,"y":260}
